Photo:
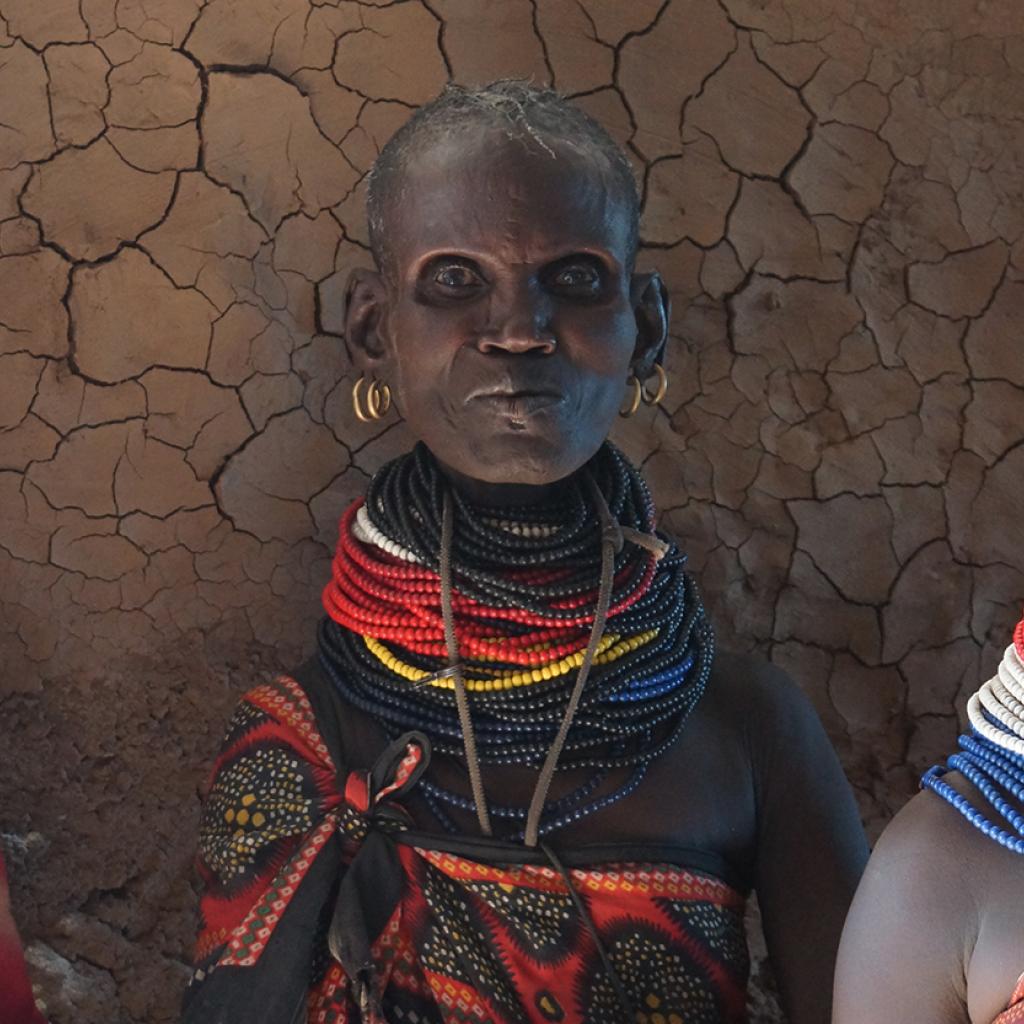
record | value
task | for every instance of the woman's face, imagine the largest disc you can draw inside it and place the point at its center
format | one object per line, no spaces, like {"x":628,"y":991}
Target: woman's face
{"x":510,"y":320}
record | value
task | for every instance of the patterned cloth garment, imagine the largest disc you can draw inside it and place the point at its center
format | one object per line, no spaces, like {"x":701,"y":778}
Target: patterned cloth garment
{"x":323,"y":904}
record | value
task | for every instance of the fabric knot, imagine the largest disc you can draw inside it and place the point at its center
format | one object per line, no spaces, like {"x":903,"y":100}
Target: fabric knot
{"x":396,"y":772}
{"x":371,"y":889}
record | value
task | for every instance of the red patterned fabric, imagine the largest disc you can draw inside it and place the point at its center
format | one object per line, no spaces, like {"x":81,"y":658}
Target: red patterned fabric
{"x":466,"y":940}
{"x":271,"y":807}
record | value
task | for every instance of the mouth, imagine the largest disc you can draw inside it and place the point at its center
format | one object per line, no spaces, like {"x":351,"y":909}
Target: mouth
{"x":518,"y":402}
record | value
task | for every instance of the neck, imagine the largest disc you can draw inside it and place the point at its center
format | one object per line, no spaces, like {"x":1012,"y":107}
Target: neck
{"x":485,"y":494}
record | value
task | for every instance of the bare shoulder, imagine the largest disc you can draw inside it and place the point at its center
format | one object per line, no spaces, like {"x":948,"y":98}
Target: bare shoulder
{"x":769,"y":713}
{"x":809,"y":845}
{"x":748,"y":674}
{"x":795,"y":774}
{"x":757,"y":693}
{"x":915,"y":918}
{"x":929,"y":845}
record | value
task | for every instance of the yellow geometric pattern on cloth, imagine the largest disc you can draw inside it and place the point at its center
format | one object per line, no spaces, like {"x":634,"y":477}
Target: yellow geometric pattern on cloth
{"x":250,"y":938}
{"x":648,"y":963}
{"x":455,"y":959}
{"x":651,"y":1013}
{"x":610,"y":648}
{"x":653,"y":880}
{"x":257,"y":800}
{"x":456,"y":1000}
{"x":542,"y":920}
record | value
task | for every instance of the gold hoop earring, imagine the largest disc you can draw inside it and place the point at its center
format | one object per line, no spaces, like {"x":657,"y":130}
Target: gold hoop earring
{"x":634,"y":403}
{"x":659,"y":392}
{"x":378,"y":400}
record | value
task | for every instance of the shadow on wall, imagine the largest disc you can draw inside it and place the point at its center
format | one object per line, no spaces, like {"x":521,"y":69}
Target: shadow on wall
{"x":836,"y":209}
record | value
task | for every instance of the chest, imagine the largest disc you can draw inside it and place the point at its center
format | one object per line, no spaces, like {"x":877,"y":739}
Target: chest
{"x":996,"y":964}
{"x":698,"y":795}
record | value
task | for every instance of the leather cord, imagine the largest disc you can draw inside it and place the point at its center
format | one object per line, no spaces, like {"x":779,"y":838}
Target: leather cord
{"x":455,"y":666}
{"x":611,"y":542}
{"x":588,"y":923}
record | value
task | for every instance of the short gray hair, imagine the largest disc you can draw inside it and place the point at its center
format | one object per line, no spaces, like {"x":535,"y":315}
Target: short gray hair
{"x":519,"y":109}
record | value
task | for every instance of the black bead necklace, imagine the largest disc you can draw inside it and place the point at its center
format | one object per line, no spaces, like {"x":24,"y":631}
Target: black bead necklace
{"x":633,"y":706}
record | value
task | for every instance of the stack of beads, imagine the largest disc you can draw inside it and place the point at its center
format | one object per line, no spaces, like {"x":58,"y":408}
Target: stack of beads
{"x":992,"y":758}
{"x":525,"y":588}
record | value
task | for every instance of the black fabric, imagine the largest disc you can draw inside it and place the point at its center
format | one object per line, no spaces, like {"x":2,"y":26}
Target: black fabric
{"x":275,"y":989}
{"x":328,"y":710}
{"x":369,"y":893}
{"x":371,"y":888}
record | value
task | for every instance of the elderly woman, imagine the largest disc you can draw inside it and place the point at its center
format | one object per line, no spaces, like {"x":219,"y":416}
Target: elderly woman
{"x":518,"y":782}
{"x":936,"y":932}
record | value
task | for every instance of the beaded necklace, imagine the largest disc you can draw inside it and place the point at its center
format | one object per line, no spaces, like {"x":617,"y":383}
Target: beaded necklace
{"x":992,"y":758}
{"x":524,"y":591}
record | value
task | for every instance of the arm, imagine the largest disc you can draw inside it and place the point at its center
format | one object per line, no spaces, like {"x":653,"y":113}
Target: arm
{"x":906,"y":943}
{"x":810,"y":845}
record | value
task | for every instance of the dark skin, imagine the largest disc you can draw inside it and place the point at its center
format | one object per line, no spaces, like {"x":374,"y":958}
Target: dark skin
{"x":506,"y":322}
{"x":935,"y":931}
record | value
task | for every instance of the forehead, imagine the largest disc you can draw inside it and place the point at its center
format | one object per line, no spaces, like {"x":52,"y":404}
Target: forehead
{"x":486,"y":192}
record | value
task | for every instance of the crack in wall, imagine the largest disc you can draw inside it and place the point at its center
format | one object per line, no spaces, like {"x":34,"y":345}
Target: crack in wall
{"x":838,"y":337}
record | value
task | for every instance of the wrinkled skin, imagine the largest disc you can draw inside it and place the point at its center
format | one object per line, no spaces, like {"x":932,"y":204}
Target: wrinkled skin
{"x":509,"y":320}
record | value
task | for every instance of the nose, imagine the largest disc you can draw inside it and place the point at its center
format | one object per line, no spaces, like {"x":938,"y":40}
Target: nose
{"x":519,"y":323}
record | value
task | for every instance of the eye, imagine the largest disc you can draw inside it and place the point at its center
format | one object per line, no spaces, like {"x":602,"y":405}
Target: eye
{"x":456,"y":276}
{"x":579,"y":278}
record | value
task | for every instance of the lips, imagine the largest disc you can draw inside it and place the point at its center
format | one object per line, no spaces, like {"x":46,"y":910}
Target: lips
{"x":522,"y":403}
{"x":517,"y":399}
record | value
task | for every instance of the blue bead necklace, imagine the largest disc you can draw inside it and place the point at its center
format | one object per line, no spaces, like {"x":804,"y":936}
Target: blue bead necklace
{"x":995,"y":773}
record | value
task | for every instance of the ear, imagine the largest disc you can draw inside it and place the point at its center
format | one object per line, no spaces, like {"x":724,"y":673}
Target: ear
{"x":652,"y":308}
{"x":365,"y":316}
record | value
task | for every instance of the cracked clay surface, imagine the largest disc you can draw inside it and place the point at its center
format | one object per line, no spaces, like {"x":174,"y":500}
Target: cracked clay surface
{"x":832,"y":191}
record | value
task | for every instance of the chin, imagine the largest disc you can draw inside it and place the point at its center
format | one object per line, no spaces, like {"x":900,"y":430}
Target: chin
{"x":526,"y":459}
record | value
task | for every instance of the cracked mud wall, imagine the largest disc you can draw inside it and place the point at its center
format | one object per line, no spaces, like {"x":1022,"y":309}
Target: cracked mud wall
{"x":833,"y":194}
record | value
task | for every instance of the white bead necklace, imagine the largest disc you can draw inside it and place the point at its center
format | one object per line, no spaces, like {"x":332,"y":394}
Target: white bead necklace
{"x":366,"y":532}
{"x":521,"y":529}
{"x":1003,"y":698}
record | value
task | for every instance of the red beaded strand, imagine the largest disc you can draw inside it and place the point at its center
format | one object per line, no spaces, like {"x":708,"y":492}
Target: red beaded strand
{"x":377,"y":594}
